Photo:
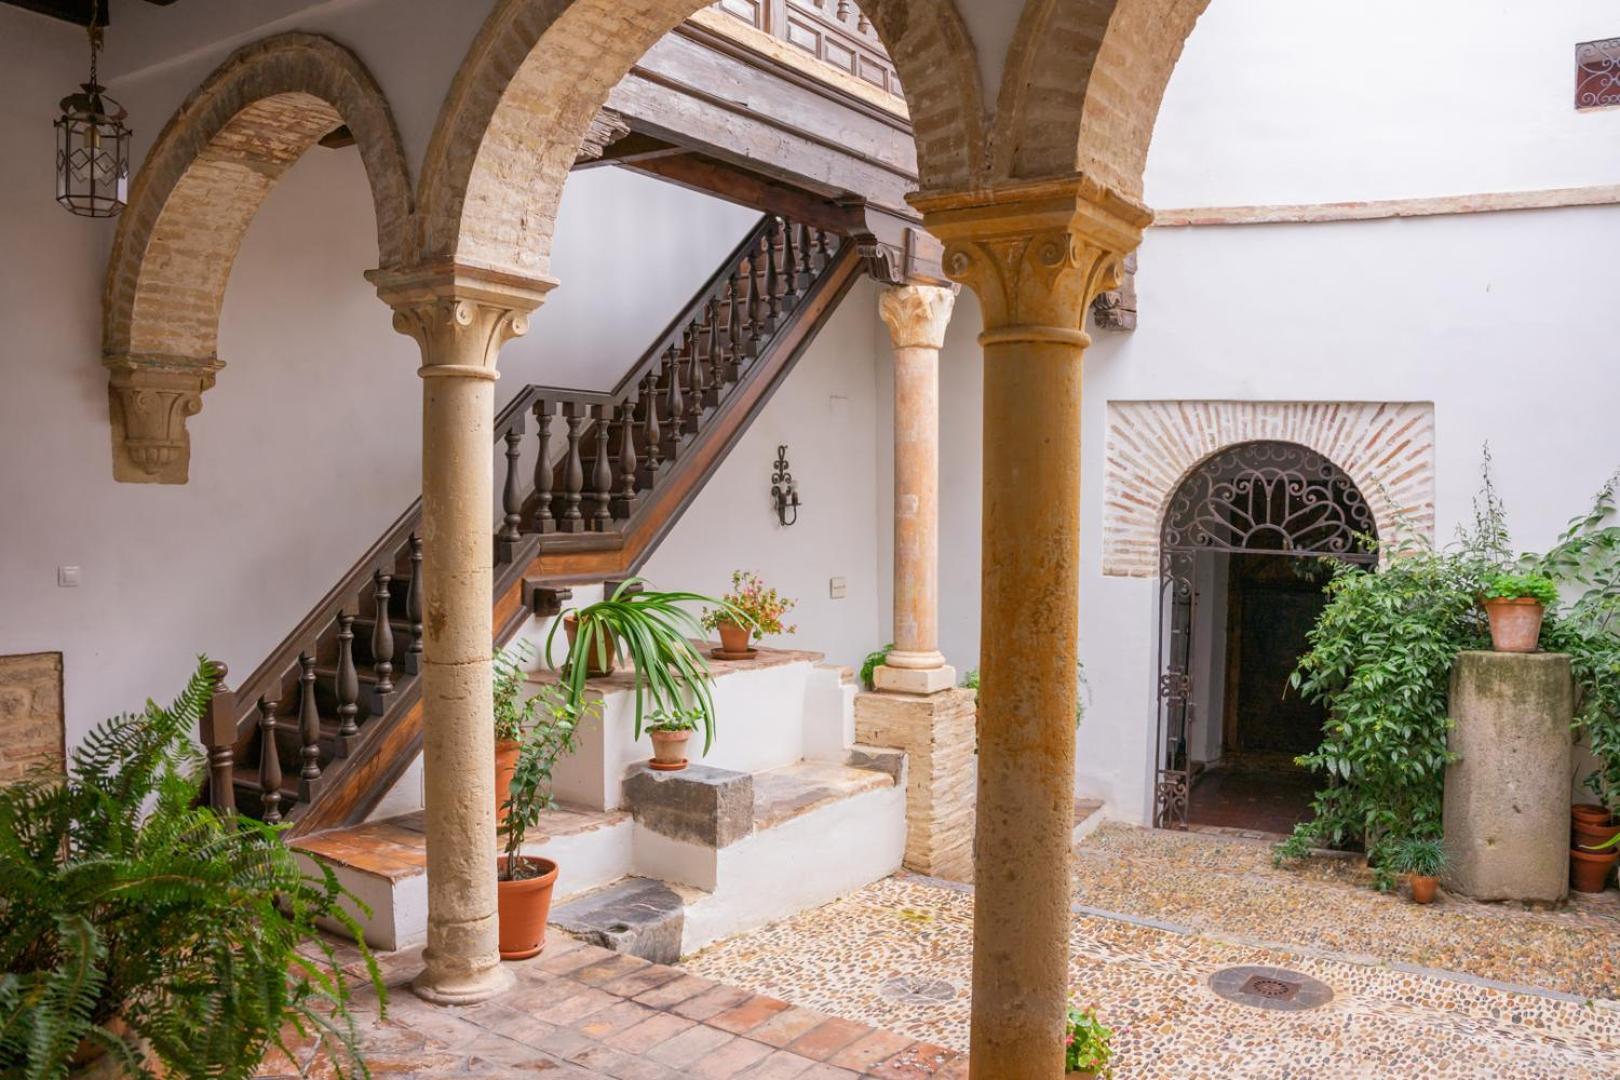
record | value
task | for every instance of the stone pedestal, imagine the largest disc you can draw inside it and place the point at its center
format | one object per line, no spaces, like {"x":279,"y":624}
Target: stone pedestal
{"x":936,"y":731}
{"x":1507,"y":794}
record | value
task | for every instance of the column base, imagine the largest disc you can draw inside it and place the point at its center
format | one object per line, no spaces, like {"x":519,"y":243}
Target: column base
{"x":461,"y":987}
{"x":902,"y":680}
{"x":937,"y":733}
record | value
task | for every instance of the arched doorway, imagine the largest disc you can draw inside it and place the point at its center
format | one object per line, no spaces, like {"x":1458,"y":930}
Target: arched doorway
{"x":1240,"y":584}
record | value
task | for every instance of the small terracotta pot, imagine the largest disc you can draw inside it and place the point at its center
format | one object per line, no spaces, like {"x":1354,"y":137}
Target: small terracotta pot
{"x":1422,"y":888}
{"x":1591,"y":813}
{"x":1589,"y":870}
{"x":1591,"y":834}
{"x":506,"y":758}
{"x":733,"y":638}
{"x":669,"y":748}
{"x":523,"y":907}
{"x":1515,"y":623}
{"x":596,"y":665}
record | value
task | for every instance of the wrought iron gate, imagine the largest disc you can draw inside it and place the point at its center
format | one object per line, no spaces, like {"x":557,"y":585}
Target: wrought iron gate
{"x":1253,"y":497}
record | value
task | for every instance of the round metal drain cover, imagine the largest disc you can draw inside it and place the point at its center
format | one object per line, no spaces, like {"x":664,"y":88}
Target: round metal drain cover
{"x":1270,"y":988}
{"x":917,"y":990}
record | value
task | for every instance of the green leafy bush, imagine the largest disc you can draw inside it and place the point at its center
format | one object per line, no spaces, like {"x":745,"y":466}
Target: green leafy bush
{"x":1521,"y":586}
{"x":546,"y":741}
{"x":873,"y":661}
{"x":514,"y":713}
{"x":1087,"y":1043}
{"x":1421,"y":855}
{"x":130,"y":906}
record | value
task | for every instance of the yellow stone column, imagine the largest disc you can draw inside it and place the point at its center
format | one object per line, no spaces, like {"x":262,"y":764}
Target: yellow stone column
{"x":1036,"y":253}
{"x":460,"y":318}
{"x":916,"y":316}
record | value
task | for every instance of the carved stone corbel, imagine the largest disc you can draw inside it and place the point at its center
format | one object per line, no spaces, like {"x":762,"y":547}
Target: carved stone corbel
{"x":149,"y":399}
{"x":607,"y":127}
{"x":1115,"y":309}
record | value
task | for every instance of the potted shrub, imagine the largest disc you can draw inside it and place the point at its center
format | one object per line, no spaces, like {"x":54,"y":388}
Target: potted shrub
{"x":1515,"y":604}
{"x":524,"y":882}
{"x":670,"y":730}
{"x":1087,"y":1044}
{"x":749,"y":610}
{"x":655,"y":633}
{"x":513,"y":715}
{"x":144,"y":934}
{"x":1423,"y":860}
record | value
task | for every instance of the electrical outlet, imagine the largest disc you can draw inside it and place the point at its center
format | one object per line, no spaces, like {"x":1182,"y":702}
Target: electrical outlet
{"x":67,"y":577}
{"x":836,"y":588}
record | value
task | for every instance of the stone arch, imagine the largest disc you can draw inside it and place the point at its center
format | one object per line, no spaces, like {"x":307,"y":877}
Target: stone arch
{"x":1386,"y":448}
{"x":190,"y":205}
{"x":1082,"y":87}
{"x":540,"y":70}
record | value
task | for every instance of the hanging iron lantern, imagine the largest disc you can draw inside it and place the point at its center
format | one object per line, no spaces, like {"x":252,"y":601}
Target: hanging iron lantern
{"x":92,"y":145}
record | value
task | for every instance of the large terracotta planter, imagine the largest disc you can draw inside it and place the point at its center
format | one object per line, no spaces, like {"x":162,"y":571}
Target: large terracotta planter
{"x":506,"y":757}
{"x":1589,"y":870}
{"x":733,"y":638}
{"x":523,"y":907}
{"x":1515,"y":623}
{"x":1422,"y":888}
{"x":669,"y":750}
{"x":597,"y":664}
{"x":1591,"y":834}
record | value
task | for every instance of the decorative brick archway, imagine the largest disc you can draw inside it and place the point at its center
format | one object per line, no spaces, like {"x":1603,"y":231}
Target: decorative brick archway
{"x":190,"y":205}
{"x":540,"y":70}
{"x":1387,"y":448}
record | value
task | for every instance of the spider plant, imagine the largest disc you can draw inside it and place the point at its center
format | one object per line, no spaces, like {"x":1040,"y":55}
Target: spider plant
{"x":655,"y":632}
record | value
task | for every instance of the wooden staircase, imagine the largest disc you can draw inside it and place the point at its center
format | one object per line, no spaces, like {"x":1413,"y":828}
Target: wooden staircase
{"x":320,"y":731}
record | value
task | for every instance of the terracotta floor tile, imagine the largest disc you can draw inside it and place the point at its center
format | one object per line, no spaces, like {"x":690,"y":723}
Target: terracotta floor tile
{"x":827,"y":1038}
{"x":868,"y":1050}
{"x":780,"y":1065}
{"x":710,"y":1002}
{"x":689,"y":1045}
{"x":606,"y":971}
{"x":728,"y":1060}
{"x":786,"y":1026}
{"x":673,"y":993}
{"x":639,"y":982}
{"x":917,"y":1060}
{"x":654,"y":1030}
{"x":617,"y":1017}
{"x":743,"y":1018}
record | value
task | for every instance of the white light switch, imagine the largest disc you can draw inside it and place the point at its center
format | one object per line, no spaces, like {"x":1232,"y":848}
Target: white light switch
{"x":835,"y":588}
{"x":67,"y":577}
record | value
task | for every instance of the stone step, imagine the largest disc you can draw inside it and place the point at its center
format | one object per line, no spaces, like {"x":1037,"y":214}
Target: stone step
{"x":640,"y":916}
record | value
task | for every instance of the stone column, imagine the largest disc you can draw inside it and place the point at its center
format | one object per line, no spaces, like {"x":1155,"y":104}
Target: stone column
{"x":916,"y":316}
{"x":1036,"y":253}
{"x":460,"y":318}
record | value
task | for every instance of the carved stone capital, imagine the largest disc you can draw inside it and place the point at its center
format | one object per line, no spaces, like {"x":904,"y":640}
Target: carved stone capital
{"x":149,"y":399}
{"x":460,"y":316}
{"x":1036,"y":253}
{"x":916,"y":315}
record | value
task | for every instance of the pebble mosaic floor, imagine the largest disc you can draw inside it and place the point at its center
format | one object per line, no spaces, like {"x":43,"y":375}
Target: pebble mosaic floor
{"x":897,"y":955}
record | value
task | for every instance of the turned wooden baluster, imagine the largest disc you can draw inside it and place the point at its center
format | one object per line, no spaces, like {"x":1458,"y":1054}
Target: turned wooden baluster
{"x":413,"y":606}
{"x":650,"y":433}
{"x":573,"y":472}
{"x":773,"y":273}
{"x":694,"y":380}
{"x":309,"y":722}
{"x":543,"y":521}
{"x":790,"y":266}
{"x":735,"y":344}
{"x":602,"y":474}
{"x":269,"y":762}
{"x":758,"y":308}
{"x":382,"y":637}
{"x":512,"y":495}
{"x":823,"y":256}
{"x":717,"y":357}
{"x":676,"y":413}
{"x":219,"y":736}
{"x":807,"y":272}
{"x":627,"y":462}
{"x":346,"y":684}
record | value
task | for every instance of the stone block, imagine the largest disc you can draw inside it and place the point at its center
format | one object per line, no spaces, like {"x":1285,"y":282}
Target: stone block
{"x":637,"y":916}
{"x":698,"y":804}
{"x":937,"y":734}
{"x":913,"y":680}
{"x":31,"y":724}
{"x":1507,"y":794}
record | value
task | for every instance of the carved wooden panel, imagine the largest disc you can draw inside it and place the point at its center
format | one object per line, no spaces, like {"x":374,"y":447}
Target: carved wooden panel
{"x":835,"y":32}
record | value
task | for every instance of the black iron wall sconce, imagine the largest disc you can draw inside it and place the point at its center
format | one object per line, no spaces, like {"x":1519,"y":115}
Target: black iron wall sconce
{"x":784,"y":489}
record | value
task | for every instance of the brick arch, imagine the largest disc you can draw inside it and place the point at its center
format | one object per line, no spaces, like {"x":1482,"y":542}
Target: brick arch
{"x":1386,"y":448}
{"x":540,"y":69}
{"x":1083,"y":84}
{"x":190,"y":205}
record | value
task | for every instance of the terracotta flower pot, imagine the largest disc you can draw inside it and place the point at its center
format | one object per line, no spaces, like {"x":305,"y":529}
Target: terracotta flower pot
{"x":506,"y":757}
{"x":523,"y":907}
{"x":596,"y":665}
{"x":733,"y":638}
{"x":1589,"y":870}
{"x":1591,"y":834}
{"x":1422,"y":888}
{"x":1515,"y":623}
{"x":1591,"y":813}
{"x":669,"y":749}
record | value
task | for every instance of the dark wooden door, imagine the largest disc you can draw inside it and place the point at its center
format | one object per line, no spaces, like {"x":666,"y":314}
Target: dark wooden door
{"x":1276,"y":601}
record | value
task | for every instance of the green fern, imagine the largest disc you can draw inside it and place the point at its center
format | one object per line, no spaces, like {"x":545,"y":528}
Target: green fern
{"x":127,"y":899}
